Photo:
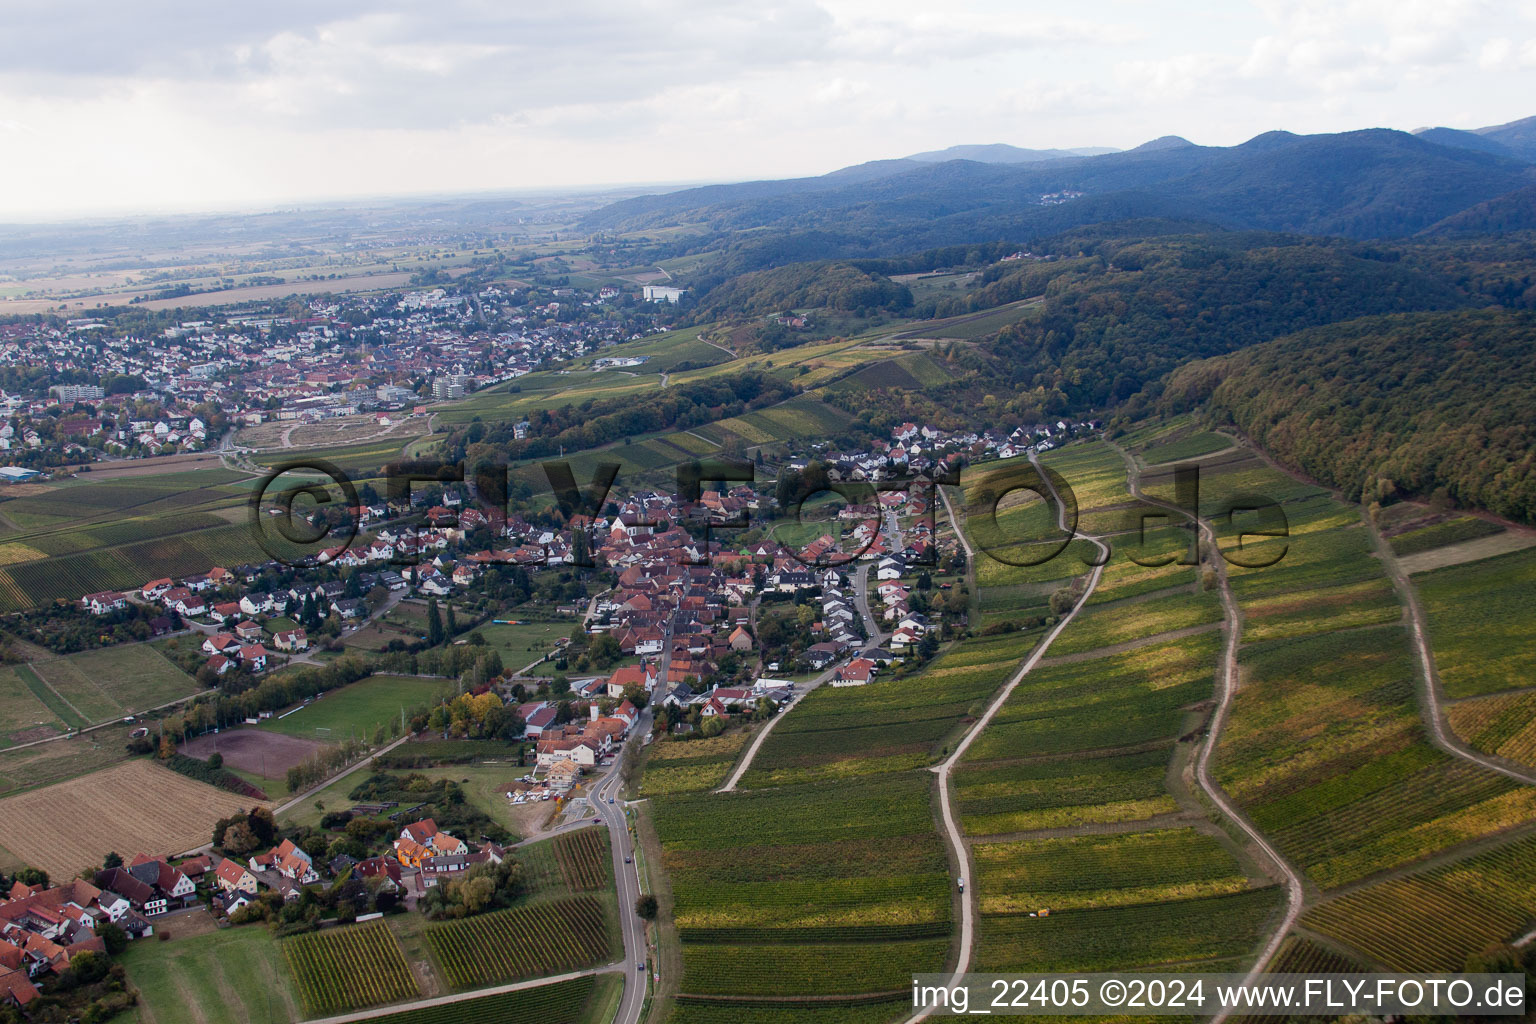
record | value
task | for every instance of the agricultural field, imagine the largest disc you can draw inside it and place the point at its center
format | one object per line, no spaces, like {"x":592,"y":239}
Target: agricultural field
{"x":816,"y":889}
{"x":1326,"y":752}
{"x":1206,"y":933}
{"x":1503,"y":725}
{"x":586,"y":1000}
{"x":999,"y":797}
{"x":974,"y":326}
{"x":1022,"y":542}
{"x":113,"y":534}
{"x":1327,"y":545}
{"x":1303,"y":956}
{"x":1136,"y":699}
{"x":1111,"y":624}
{"x":1094,"y":471}
{"x":1439,"y":533}
{"x":357,"y":460}
{"x":257,"y":752}
{"x":1229,"y":481}
{"x":228,"y":976}
{"x":357,"y":709}
{"x":348,"y":968}
{"x":136,"y":807}
{"x":585,"y":859}
{"x":782,"y":970}
{"x":836,"y":733}
{"x":1191,"y":446}
{"x":112,"y":682}
{"x":1481,"y":616}
{"x":1133,"y":569}
{"x":1433,"y":920}
{"x":522,"y":942}
{"x":878,"y":1011}
{"x":691,"y":766}
{"x":1370,"y":602}
{"x":25,"y":711}
{"x":125,"y":567}
{"x":24,"y":768}
{"x":1092,"y":871}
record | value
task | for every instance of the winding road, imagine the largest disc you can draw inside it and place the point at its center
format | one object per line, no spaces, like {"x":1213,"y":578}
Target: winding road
{"x":1429,"y":683}
{"x":1226,"y":689}
{"x":944,"y":769}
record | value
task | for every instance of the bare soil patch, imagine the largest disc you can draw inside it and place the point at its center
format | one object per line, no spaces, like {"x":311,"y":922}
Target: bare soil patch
{"x":268,"y":754}
{"x":1467,"y":551}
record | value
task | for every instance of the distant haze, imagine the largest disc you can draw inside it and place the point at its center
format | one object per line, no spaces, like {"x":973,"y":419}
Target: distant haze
{"x":178,"y":105}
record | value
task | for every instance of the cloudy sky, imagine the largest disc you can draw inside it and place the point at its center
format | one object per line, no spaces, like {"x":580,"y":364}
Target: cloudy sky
{"x":138,"y":105}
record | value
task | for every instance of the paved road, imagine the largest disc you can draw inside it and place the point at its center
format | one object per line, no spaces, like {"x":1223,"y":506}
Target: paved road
{"x":877,"y":636}
{"x":946,"y":767}
{"x":627,"y":874}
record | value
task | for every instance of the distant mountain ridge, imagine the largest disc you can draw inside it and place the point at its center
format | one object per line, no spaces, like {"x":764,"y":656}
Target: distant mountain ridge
{"x":1374,"y":183}
{"x":1002,"y":153}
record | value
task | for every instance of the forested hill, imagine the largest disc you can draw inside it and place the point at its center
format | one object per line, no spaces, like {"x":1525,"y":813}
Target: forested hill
{"x":1439,"y":405}
{"x":1366,"y":184}
{"x":1123,"y":312}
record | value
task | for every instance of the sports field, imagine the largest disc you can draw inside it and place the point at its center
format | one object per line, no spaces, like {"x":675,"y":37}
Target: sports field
{"x":357,"y":709}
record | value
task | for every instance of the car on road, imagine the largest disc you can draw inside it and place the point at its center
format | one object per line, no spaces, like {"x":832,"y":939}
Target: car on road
{"x":640,"y":966}
{"x":628,"y":860}
{"x":610,"y":799}
{"x":596,"y":820}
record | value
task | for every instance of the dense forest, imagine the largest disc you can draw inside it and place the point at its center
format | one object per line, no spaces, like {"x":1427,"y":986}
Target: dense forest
{"x":1433,"y":405}
{"x":1120,"y":313}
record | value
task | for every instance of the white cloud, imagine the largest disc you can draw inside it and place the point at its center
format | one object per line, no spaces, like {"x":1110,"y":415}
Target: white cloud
{"x":180,"y":102}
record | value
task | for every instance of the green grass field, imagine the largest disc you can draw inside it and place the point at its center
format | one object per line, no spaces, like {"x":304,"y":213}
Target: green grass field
{"x":116,"y":681}
{"x":359,"y":708}
{"x":524,"y":642}
{"x":234,"y":976}
{"x":23,"y":704}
